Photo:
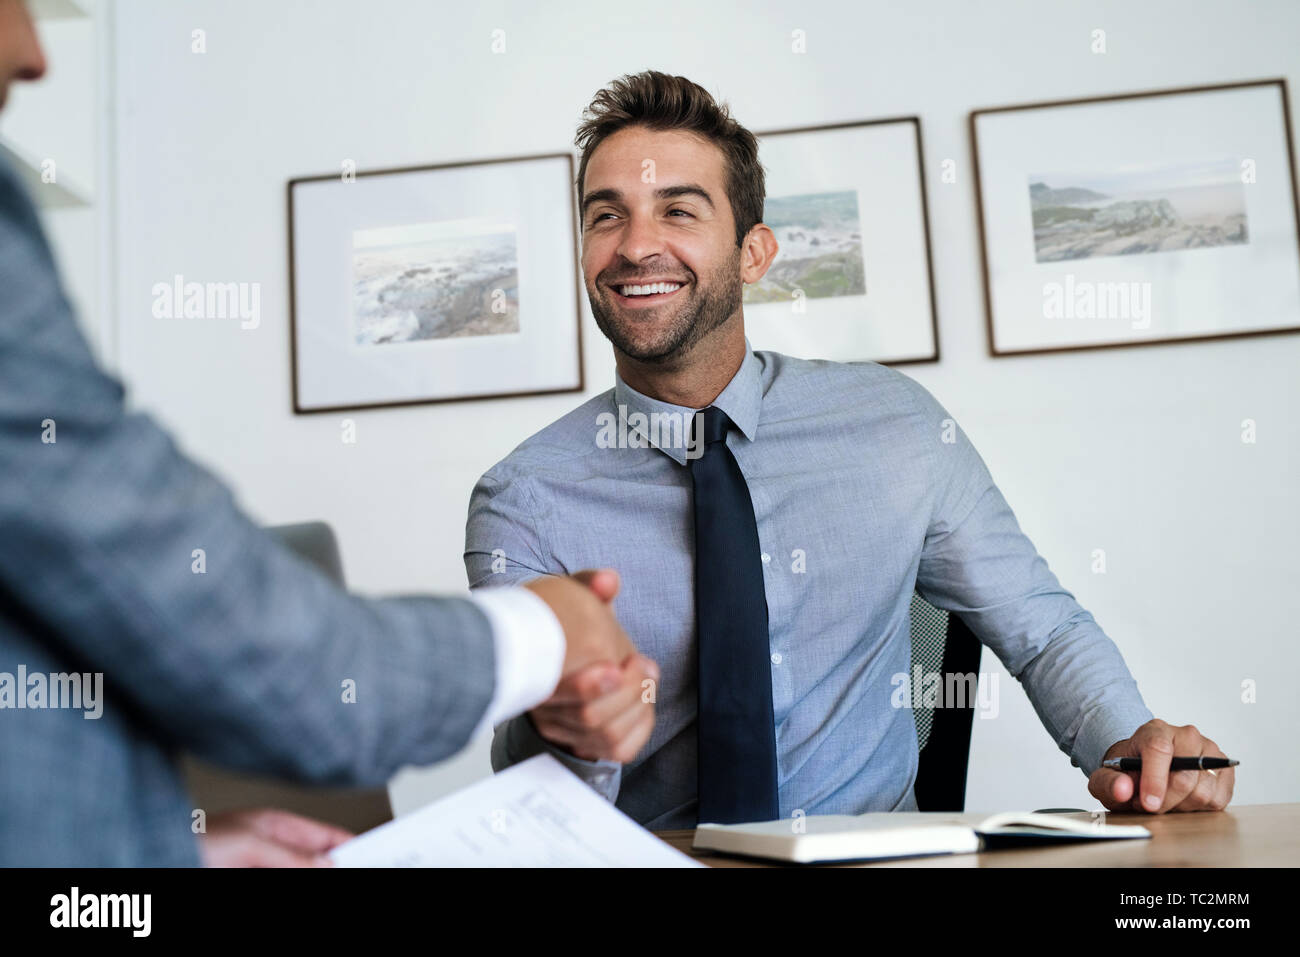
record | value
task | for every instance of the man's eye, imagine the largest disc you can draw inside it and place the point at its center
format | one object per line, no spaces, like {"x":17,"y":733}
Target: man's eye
{"x":600,"y":216}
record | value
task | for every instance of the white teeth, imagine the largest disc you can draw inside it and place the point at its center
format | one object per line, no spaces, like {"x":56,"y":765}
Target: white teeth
{"x":649,"y":290}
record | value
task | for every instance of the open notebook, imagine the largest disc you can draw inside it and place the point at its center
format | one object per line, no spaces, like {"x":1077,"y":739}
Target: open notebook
{"x":879,"y":835}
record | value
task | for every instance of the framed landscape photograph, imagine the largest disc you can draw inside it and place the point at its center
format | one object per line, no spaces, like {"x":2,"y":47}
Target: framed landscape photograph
{"x":852,"y":280}
{"x":434,"y":284}
{"x":1138,"y":219}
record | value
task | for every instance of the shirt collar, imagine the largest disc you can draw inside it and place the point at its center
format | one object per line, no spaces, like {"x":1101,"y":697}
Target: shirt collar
{"x":742,"y":400}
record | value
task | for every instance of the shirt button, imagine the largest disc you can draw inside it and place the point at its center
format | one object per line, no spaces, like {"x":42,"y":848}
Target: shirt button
{"x":766,"y":557}
{"x":776,"y":657}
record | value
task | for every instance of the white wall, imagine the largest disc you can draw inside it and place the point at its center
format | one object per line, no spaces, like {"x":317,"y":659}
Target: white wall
{"x":1136,"y":451}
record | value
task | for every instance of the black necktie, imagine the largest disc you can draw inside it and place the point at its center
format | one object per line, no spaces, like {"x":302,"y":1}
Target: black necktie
{"x":737,"y":737}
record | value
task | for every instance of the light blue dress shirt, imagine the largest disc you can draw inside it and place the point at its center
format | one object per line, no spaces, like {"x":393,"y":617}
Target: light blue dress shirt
{"x":864,"y":490}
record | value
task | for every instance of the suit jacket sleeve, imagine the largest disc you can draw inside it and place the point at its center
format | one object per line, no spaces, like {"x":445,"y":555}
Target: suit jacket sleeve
{"x":245,"y":658}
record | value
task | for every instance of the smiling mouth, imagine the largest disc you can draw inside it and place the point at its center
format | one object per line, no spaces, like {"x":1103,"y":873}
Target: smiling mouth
{"x":645,"y":295}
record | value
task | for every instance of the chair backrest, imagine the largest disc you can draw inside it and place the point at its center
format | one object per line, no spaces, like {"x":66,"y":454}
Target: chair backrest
{"x":216,"y":789}
{"x":943,"y":645}
{"x":315,"y":542}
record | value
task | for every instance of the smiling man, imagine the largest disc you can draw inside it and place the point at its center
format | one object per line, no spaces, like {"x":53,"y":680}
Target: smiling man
{"x":769,"y":569}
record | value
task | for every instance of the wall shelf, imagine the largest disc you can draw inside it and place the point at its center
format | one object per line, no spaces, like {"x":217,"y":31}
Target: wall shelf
{"x":57,"y":9}
{"x":62,"y":194}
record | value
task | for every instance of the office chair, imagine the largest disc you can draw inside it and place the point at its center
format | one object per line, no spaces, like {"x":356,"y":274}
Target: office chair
{"x":216,"y":789}
{"x":942,"y":643}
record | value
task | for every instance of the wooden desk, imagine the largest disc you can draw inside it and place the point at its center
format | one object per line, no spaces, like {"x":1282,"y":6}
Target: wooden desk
{"x":1252,"y":835}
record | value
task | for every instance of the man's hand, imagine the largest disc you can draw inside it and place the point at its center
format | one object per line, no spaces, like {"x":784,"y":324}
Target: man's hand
{"x":603,"y":707}
{"x":581,"y":602}
{"x":1154,"y":788}
{"x":266,"y":837}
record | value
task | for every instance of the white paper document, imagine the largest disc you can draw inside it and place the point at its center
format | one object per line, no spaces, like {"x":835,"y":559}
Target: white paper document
{"x":535,"y":814}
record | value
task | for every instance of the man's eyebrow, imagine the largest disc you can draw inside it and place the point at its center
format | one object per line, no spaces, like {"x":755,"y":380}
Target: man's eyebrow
{"x":663,"y":192}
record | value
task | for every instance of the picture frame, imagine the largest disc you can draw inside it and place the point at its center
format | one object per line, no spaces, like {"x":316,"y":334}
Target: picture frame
{"x":429,"y":284}
{"x":1138,"y":218}
{"x":854,"y":278}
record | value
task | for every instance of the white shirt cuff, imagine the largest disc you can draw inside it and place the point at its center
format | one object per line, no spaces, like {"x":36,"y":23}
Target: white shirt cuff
{"x":530,"y":650}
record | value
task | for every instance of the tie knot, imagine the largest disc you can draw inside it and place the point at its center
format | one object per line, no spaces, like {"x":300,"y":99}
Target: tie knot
{"x":715,"y":426}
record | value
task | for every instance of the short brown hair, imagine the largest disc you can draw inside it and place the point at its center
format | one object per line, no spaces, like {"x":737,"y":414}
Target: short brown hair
{"x":658,"y":101}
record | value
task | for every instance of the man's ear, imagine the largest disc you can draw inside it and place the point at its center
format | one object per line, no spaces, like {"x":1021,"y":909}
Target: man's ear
{"x":757,"y":252}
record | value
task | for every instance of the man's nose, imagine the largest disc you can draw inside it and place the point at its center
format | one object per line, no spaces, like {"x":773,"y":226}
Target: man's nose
{"x":31,"y":58}
{"x":32,"y":65}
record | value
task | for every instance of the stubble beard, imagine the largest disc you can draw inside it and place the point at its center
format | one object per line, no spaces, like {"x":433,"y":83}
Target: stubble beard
{"x":710,"y":307}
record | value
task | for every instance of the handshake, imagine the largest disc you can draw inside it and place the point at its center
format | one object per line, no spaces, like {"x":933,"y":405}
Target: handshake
{"x":603,"y":706}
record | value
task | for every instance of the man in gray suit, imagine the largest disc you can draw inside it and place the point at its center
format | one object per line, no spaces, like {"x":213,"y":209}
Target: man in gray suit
{"x":119,"y":644}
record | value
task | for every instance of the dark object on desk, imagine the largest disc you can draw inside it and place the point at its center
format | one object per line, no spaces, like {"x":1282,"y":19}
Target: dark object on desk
{"x":942,"y":643}
{"x":216,"y":789}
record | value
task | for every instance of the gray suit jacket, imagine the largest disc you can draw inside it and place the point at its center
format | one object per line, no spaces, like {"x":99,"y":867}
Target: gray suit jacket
{"x":245,"y":664}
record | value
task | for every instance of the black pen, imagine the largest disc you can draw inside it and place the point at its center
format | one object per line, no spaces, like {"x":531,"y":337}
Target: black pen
{"x":1175,"y":764}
